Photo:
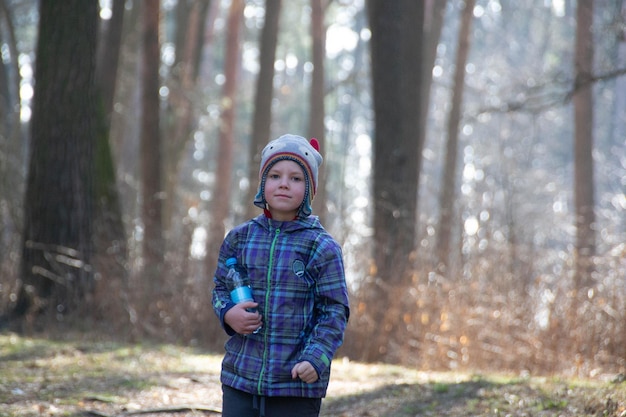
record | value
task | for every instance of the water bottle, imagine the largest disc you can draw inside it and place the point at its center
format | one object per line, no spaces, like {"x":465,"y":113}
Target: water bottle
{"x":238,"y":283}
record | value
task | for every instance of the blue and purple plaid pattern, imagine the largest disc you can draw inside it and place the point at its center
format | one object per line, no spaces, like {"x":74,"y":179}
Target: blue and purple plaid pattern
{"x":297,"y":275}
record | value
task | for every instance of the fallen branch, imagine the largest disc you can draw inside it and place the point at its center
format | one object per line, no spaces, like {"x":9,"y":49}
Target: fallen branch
{"x":173,"y":409}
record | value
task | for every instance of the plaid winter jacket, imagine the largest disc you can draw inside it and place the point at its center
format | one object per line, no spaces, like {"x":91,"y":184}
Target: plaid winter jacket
{"x":297,"y":276}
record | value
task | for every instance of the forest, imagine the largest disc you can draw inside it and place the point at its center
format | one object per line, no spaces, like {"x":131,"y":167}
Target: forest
{"x":474,"y":168}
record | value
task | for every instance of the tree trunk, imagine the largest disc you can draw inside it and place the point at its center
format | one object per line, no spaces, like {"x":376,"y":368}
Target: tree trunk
{"x":150,"y":157}
{"x":9,"y":83}
{"x":223,"y":183}
{"x":396,"y":51}
{"x":434,"y":12}
{"x":110,"y":258}
{"x":12,"y":148}
{"x":583,"y":147}
{"x":182,"y":105}
{"x":108,"y":56}
{"x":619,"y":107}
{"x":56,"y":273}
{"x":263,"y":99}
{"x":448,"y":187}
{"x":317,"y":95}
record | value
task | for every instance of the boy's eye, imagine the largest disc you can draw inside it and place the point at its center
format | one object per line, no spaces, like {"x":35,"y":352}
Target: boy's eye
{"x":297,"y":179}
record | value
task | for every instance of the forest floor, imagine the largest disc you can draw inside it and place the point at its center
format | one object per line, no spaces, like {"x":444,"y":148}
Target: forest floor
{"x":40,"y":377}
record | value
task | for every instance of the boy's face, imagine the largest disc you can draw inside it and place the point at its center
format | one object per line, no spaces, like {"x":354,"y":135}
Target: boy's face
{"x":285,"y":186}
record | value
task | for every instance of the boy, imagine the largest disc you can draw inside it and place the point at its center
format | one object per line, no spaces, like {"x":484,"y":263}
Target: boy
{"x":277,"y":361}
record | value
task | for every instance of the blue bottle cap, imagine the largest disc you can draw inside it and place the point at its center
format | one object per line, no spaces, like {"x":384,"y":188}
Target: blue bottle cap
{"x":231,"y":262}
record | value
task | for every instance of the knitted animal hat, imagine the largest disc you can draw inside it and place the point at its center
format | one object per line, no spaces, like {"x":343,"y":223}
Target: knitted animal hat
{"x":304,"y":153}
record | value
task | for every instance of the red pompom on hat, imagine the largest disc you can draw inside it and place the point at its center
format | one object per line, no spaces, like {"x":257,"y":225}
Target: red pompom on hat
{"x":315,"y":144}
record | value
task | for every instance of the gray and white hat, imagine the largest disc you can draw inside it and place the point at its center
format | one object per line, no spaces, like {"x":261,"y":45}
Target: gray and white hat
{"x":301,"y":151}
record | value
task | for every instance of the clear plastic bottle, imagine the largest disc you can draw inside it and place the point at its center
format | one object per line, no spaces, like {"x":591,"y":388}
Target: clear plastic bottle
{"x":238,"y":283}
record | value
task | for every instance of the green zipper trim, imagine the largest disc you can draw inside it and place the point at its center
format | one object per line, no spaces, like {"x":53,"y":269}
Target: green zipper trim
{"x":268,"y":278}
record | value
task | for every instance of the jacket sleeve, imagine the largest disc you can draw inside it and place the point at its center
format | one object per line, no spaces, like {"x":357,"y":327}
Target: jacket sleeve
{"x":331,"y":308}
{"x":221,"y":296}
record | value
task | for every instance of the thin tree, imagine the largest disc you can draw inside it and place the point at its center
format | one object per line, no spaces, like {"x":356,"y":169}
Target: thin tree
{"x":108,"y":210}
{"x":12,"y":158}
{"x":150,"y":147}
{"x":448,"y":186}
{"x":182,"y":101}
{"x":110,"y":247}
{"x":262,"y":118}
{"x":9,"y":83}
{"x":396,"y":51}
{"x":434,"y":12}
{"x":109,"y":45}
{"x":316,"y":99}
{"x":223,"y":184}
{"x":56,"y":274}
{"x":583,"y":146}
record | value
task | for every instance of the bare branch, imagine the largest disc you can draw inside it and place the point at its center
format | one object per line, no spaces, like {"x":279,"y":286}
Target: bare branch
{"x":547,"y":96}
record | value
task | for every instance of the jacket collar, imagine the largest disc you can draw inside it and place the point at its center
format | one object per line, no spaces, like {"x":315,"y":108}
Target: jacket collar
{"x":310,"y":222}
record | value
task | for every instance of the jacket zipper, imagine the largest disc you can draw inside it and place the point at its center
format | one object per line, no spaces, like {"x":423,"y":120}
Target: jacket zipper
{"x":270,"y":268}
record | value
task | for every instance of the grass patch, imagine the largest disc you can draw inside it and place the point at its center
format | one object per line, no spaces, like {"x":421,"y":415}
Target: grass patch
{"x":70,"y":378}
{"x":36,"y":372}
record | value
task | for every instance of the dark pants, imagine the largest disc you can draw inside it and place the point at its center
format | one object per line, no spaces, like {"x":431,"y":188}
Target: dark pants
{"x":237,"y":403}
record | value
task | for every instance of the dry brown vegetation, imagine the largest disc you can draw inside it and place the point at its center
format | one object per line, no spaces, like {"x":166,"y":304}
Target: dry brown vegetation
{"x":498,"y":326}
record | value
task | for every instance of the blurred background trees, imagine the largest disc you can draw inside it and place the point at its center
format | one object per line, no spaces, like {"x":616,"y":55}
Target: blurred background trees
{"x":474,"y":168}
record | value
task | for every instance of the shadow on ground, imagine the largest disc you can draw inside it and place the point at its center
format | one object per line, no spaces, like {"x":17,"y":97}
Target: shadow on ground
{"x":480,"y":397}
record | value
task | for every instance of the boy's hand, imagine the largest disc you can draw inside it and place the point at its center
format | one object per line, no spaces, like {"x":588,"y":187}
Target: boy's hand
{"x":305,"y":371}
{"x":242,"y":321}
